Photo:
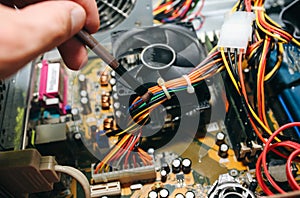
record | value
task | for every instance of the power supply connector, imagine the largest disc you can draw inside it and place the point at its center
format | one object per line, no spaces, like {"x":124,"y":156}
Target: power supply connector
{"x":236,"y":31}
{"x":26,"y":171}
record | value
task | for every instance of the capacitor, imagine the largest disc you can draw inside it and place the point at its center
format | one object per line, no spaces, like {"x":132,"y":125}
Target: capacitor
{"x":223,"y":150}
{"x":176,"y":165}
{"x":117,"y":105}
{"x":112,"y":81}
{"x":186,"y":166}
{"x":113,"y":73}
{"x":85,"y":105}
{"x":220,"y":138}
{"x":166,"y":167}
{"x":83,"y":93}
{"x":179,"y":195}
{"x":115,"y":96}
{"x":93,"y":130}
{"x":152,"y":194}
{"x":253,"y":185}
{"x":190,"y":194}
{"x":163,"y":193}
{"x":163,"y":175}
{"x":108,"y":123}
{"x":82,"y":82}
{"x":75,"y":114}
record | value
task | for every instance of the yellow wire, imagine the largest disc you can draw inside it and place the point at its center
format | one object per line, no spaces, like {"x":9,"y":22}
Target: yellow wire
{"x":213,"y":50}
{"x":228,"y":70}
{"x":254,"y":50}
{"x":234,"y":8}
{"x":269,"y":33}
{"x":296,"y":41}
{"x":277,"y":65}
{"x":272,"y":21}
{"x":158,"y":3}
{"x":115,"y":149}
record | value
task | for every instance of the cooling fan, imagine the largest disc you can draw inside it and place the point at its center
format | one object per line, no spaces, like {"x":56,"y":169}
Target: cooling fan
{"x":122,"y":14}
{"x":113,"y":12}
{"x":167,"y":52}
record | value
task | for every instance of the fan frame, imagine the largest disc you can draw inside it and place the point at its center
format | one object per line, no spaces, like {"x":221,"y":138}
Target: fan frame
{"x":140,"y":16}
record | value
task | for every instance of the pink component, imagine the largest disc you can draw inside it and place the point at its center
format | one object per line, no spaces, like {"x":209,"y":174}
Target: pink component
{"x":43,"y":79}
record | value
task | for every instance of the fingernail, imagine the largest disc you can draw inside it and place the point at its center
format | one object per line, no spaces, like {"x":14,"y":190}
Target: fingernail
{"x":78,"y":18}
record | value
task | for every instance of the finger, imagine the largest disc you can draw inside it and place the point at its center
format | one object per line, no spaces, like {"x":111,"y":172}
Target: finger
{"x":92,"y":21}
{"x":73,"y":53}
{"x":34,"y":30}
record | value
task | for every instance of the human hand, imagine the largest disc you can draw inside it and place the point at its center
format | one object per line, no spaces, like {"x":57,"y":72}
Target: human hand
{"x":39,"y":26}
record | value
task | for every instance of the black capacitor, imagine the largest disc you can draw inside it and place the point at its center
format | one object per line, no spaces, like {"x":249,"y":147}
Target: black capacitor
{"x":186,"y":165}
{"x":163,"y":175}
{"x":190,"y":194}
{"x":176,"y":165}
{"x":164,"y":193}
{"x":220,"y":138}
{"x":166,"y":167}
{"x":253,"y":185}
{"x":152,"y":194}
{"x":223,"y":150}
{"x":179,"y":195}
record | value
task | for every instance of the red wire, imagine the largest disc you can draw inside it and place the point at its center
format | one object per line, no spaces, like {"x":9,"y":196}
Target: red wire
{"x":262,"y":158}
{"x":293,"y":183}
{"x":261,"y":83}
{"x":272,"y":29}
{"x":131,"y":148}
{"x":121,"y":150}
{"x":134,"y":161}
{"x":260,"y":161}
{"x":248,"y":5}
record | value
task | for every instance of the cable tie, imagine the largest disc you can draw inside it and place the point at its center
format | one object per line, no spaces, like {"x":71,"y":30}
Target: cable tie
{"x":190,"y":88}
{"x":161,"y":83}
{"x":259,"y":8}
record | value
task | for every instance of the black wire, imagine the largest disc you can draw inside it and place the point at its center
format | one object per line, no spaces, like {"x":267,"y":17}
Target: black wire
{"x":233,"y":71}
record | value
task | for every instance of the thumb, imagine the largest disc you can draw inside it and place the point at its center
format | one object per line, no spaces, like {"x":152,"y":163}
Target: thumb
{"x":35,"y":29}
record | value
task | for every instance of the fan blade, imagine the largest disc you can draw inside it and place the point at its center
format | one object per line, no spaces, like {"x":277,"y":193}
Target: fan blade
{"x":177,"y":40}
{"x":189,"y":57}
{"x":175,"y":72}
{"x":148,"y":75}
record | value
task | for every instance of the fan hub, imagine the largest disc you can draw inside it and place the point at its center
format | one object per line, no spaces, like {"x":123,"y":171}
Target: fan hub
{"x":158,"y":56}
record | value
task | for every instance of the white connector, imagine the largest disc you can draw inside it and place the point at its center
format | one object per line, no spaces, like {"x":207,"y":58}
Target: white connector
{"x":236,"y":31}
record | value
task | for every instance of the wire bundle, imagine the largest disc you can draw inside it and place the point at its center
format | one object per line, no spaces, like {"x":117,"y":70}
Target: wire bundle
{"x":119,"y":157}
{"x":267,"y":37}
{"x":170,"y":11}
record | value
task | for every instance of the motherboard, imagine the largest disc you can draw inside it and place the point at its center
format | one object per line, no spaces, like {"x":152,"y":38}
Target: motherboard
{"x":222,"y":119}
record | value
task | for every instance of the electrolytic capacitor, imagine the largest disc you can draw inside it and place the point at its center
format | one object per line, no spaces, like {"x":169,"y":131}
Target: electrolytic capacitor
{"x":152,"y":194}
{"x":83,"y":93}
{"x":179,"y":195}
{"x":163,"y":175}
{"x":163,"y":193}
{"x":190,"y":194}
{"x":82,"y":82}
{"x":253,"y":185}
{"x":166,"y":167}
{"x":223,"y":150}
{"x":85,"y":105}
{"x":176,"y":165}
{"x":220,"y":138}
{"x":186,"y":166}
